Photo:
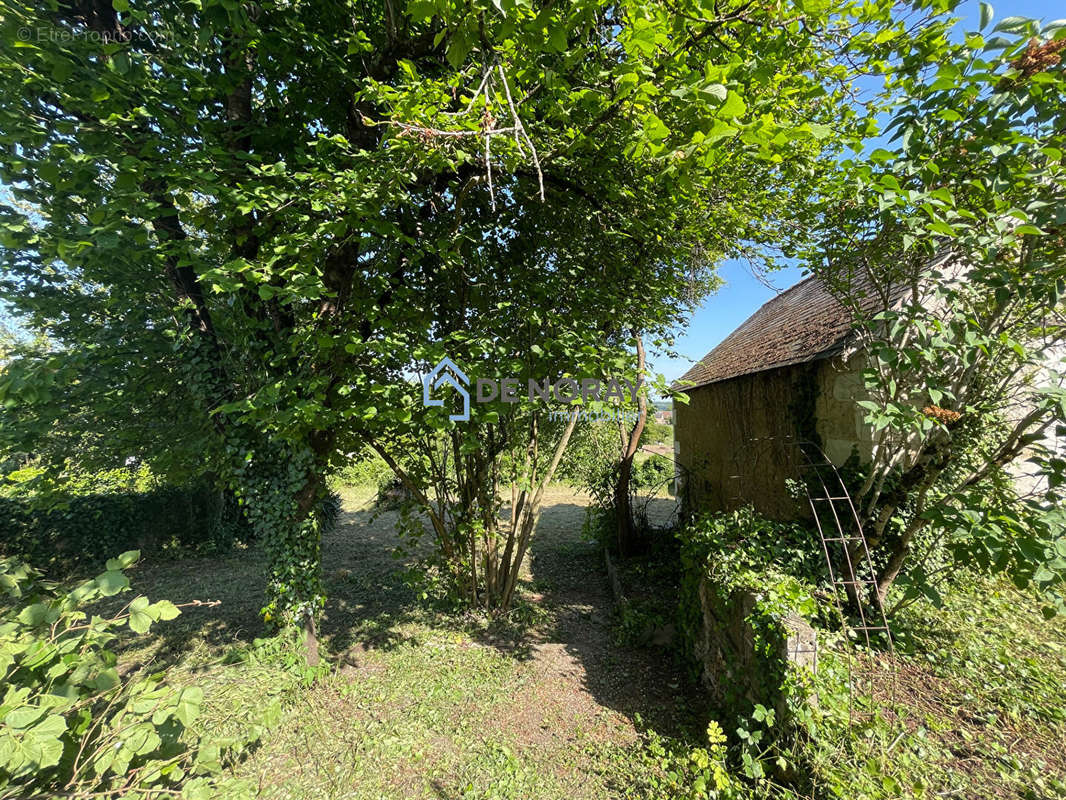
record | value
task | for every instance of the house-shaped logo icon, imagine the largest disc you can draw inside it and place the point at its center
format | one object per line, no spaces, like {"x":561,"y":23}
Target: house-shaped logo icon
{"x":447,"y":373}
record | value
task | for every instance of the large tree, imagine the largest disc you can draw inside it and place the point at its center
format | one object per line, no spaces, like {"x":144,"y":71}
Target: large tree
{"x":287,"y":206}
{"x":947,"y":244}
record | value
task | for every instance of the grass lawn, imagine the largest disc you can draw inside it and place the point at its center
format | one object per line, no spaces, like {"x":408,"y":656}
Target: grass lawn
{"x":565,"y":699}
{"x":420,"y":703}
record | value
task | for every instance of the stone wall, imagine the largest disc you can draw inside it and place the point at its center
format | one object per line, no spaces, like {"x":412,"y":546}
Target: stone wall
{"x":735,"y":670}
{"x":840,"y":425}
{"x":1028,"y":479}
{"x":736,"y":439}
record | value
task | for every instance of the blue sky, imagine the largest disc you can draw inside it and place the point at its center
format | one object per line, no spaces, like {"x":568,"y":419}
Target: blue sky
{"x":743,"y":293}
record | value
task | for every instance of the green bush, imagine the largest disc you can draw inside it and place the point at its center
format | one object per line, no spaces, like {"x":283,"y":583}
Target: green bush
{"x":656,"y":432}
{"x":32,"y":480}
{"x":590,"y":456}
{"x":73,"y":530}
{"x":655,"y":472}
{"x":741,"y":549}
{"x":364,"y":470}
{"x":70,"y":723}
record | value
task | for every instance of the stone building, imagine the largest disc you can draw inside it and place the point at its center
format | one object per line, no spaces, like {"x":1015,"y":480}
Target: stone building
{"x":787,"y":374}
{"x":790,"y":373}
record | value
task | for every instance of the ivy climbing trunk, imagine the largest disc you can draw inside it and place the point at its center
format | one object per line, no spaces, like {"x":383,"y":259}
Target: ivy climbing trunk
{"x":280,"y":490}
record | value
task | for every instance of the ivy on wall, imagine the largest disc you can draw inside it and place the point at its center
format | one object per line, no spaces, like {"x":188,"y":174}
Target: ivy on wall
{"x":757,"y":573}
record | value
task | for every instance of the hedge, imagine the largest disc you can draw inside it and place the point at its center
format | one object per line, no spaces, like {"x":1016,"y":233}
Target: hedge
{"x":84,"y":529}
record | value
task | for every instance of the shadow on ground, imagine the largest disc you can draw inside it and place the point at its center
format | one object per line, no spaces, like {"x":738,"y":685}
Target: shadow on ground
{"x":562,"y":622}
{"x":367,"y":598}
{"x":637,"y":681}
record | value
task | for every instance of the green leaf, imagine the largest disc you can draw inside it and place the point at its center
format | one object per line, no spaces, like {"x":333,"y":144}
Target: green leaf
{"x":939,"y":226}
{"x":721,"y":130}
{"x":655,"y":129}
{"x":105,"y":679}
{"x":140,"y":616}
{"x":34,"y":615}
{"x":558,"y":38}
{"x":50,"y":750}
{"x":716,"y":90}
{"x":52,"y":726}
{"x":459,"y":47}
{"x":188,"y":707}
{"x":125,"y":560}
{"x":1012,"y":25}
{"x":734,"y":106}
{"x":986,"y":15}
{"x":24,"y":716}
{"x":164,"y":610}
{"x":112,"y":582}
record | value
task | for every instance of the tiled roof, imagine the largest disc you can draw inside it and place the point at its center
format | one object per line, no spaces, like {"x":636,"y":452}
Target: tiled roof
{"x":804,"y":323}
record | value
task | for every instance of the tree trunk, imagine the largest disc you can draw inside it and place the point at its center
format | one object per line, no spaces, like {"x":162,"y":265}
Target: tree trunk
{"x":280,"y":490}
{"x":850,"y":559}
{"x":625,"y":530}
{"x":626,"y":534}
{"x":531,"y":510}
{"x":896,"y":558}
{"x":311,"y":641}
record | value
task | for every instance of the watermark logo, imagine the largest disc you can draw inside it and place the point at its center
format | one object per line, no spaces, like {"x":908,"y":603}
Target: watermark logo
{"x":566,"y":391}
{"x":447,"y":373}
{"x":51,"y":33}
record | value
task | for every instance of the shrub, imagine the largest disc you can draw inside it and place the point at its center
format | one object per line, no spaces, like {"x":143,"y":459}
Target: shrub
{"x":590,"y":456}
{"x":741,"y":549}
{"x":70,"y":723}
{"x":689,"y":773}
{"x":364,"y":470}
{"x":32,"y":479}
{"x":758,"y":572}
{"x":654,"y":473}
{"x":656,"y":432}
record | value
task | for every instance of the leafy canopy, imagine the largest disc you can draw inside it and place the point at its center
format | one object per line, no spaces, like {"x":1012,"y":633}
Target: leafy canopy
{"x":240,"y":227}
